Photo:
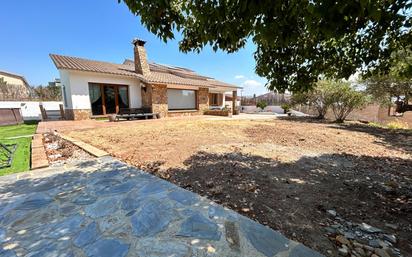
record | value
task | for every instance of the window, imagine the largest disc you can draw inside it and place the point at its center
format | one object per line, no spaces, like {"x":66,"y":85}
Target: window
{"x":215,"y":99}
{"x":181,"y":99}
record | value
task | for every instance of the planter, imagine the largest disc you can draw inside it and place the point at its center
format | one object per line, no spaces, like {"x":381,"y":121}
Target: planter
{"x":112,"y":117}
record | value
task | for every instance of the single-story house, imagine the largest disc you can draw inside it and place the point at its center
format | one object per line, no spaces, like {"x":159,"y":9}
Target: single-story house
{"x":93,"y":88}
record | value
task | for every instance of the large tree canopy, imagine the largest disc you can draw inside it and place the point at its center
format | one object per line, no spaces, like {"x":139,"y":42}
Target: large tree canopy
{"x":297,"y":40}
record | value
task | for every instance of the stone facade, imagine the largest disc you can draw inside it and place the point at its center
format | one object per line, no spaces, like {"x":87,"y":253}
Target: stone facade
{"x":74,"y":114}
{"x":159,"y":100}
{"x":203,"y":99}
{"x":146,"y":94}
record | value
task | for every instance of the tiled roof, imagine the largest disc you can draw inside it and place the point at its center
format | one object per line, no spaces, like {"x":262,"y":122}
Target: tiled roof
{"x":158,"y":73}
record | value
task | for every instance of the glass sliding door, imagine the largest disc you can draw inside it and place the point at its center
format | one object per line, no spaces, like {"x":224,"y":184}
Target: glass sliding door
{"x":96,"y":99}
{"x":108,"y":99}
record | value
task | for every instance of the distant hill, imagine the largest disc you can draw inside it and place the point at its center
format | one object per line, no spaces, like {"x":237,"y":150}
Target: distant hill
{"x":271,"y":98}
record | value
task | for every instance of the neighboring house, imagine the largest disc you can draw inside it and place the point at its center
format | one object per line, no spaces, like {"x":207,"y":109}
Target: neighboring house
{"x":93,"y":88}
{"x":14,"y":88}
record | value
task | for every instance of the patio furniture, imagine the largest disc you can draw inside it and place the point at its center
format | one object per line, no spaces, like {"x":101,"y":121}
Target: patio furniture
{"x":135,"y":113}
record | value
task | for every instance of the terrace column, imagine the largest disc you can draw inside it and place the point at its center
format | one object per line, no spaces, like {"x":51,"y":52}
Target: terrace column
{"x":234,"y":101}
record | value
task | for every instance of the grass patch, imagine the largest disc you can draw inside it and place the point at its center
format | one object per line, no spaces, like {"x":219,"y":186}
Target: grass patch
{"x":17,"y":130}
{"x":21,"y":158}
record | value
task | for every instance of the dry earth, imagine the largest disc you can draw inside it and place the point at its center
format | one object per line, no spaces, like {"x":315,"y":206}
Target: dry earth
{"x":311,"y":180}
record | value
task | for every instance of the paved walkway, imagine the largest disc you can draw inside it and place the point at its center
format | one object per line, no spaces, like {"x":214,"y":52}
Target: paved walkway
{"x":106,"y":208}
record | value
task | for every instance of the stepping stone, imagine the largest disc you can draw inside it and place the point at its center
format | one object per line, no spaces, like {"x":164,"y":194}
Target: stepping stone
{"x":197,"y":226}
{"x":87,"y":235}
{"x":35,"y":202}
{"x":216,"y":211}
{"x":84,"y":199}
{"x":160,"y":248}
{"x":302,"y":251}
{"x":107,"y":248}
{"x":69,"y":226}
{"x":183,"y":197}
{"x":264,"y":239}
{"x":117,"y":189}
{"x":102,"y":207}
{"x":2,"y":235}
{"x":132,"y":201}
{"x":154,"y":217}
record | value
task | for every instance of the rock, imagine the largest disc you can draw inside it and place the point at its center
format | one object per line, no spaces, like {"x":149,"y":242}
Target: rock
{"x":373,"y":243}
{"x":331,"y":213}
{"x":264,"y":239}
{"x":107,"y":248}
{"x":303,"y":251}
{"x":369,"y":229}
{"x":102,"y":207}
{"x":84,"y":199}
{"x":232,"y":235}
{"x":381,"y":253}
{"x":153,"y":218}
{"x":68,"y":226}
{"x":198,"y":226}
{"x":390,"y":238}
{"x":392,"y":226}
{"x":360,"y":251}
{"x":34,"y":202}
{"x":183,"y":197}
{"x":343,"y":251}
{"x":342,"y":240}
{"x":151,"y":247}
{"x":87,"y":235}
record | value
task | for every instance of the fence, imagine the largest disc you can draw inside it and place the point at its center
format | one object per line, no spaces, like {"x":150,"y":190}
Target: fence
{"x":10,"y":116}
{"x":30,"y":110}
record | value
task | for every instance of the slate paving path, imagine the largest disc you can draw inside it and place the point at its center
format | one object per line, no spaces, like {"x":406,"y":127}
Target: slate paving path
{"x":106,"y":208}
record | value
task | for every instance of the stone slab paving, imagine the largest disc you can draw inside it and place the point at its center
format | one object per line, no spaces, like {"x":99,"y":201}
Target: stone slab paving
{"x":106,"y":208}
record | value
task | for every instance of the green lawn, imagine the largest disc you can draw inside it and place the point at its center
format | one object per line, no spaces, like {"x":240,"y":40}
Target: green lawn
{"x":21,"y":159}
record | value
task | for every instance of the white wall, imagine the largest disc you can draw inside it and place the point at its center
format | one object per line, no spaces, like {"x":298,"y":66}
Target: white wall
{"x":270,"y":108}
{"x":30,"y":110}
{"x":77,"y":87}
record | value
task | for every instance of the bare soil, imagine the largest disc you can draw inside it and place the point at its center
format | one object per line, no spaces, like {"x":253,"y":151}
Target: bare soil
{"x":286,"y":173}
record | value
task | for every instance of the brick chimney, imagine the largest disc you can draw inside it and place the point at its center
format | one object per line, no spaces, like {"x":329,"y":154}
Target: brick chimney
{"x":140,"y":57}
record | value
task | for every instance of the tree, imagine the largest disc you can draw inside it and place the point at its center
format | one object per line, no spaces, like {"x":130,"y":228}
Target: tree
{"x":262,"y":104}
{"x":296,"y":40}
{"x":345,"y":99}
{"x":395,"y":84}
{"x":50,"y":92}
{"x":319,"y":98}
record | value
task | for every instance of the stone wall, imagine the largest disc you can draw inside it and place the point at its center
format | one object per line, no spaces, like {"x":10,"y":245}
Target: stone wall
{"x":203,"y":99}
{"x":74,"y":114}
{"x":159,"y":100}
{"x":146,"y":93}
{"x":227,"y":113}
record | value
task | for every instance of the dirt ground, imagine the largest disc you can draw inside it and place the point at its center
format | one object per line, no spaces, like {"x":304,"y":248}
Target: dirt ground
{"x":299,"y":176}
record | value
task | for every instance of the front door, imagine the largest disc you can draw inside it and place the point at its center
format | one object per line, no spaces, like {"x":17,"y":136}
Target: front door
{"x":108,"y":99}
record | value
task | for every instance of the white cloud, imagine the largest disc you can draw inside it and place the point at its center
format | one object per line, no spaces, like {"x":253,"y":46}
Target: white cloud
{"x":239,"y":77}
{"x":251,"y":87}
{"x":251,"y":83}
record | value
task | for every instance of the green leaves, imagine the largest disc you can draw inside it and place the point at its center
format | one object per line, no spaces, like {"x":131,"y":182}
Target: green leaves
{"x":297,"y":40}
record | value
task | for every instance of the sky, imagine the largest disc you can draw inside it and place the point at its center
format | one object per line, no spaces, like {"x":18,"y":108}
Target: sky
{"x":102,"y":30}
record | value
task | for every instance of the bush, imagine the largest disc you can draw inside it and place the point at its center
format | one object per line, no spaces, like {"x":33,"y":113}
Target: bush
{"x":262,"y":105}
{"x":286,"y":107}
{"x":397,"y":125}
{"x":318,"y":98}
{"x":345,"y":99}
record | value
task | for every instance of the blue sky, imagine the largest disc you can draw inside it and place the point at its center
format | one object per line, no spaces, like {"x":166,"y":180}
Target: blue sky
{"x":101,"y":30}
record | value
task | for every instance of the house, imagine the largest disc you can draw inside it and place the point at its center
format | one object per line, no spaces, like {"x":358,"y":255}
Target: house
{"x":13,"y":86}
{"x":92,"y":88}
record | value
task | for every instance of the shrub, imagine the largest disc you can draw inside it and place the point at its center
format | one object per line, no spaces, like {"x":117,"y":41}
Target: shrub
{"x":318,"y":98}
{"x":286,"y":107}
{"x":345,"y":99}
{"x":397,"y":125}
{"x":262,"y":104}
